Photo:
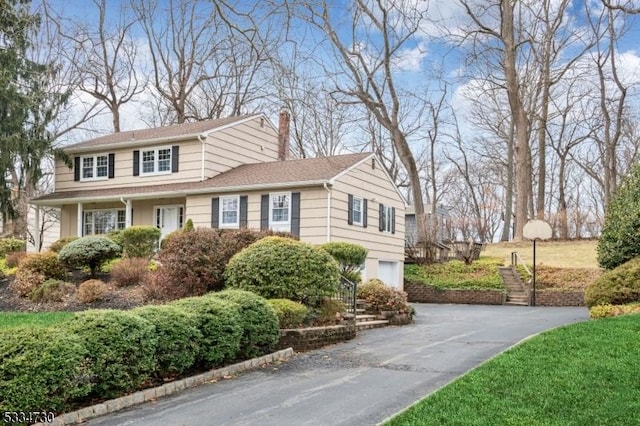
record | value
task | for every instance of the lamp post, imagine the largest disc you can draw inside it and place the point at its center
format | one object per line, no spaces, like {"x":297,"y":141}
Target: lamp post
{"x":536,"y":230}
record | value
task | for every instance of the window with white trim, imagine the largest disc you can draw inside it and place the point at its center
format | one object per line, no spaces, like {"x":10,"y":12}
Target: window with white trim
{"x":387,"y":218}
{"x":230,"y":212}
{"x":95,"y":167}
{"x":357,"y":211}
{"x":103,"y":221}
{"x":280,"y":211}
{"x":155,"y":161}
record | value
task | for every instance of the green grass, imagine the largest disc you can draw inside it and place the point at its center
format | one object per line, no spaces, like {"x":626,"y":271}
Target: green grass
{"x":582,"y":374}
{"x":562,"y":254}
{"x":14,"y":319}
{"x":481,"y":274}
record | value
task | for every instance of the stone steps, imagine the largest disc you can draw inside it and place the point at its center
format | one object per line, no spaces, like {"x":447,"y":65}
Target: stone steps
{"x":516,"y":294}
{"x":366,"y":325}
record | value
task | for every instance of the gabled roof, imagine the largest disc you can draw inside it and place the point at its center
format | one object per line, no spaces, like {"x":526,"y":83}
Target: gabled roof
{"x":185,"y":130}
{"x":248,"y":177}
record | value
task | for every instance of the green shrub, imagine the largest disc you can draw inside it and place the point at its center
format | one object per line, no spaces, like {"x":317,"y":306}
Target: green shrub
{"x":330,"y":311}
{"x":620,"y":237}
{"x":219,"y":322}
{"x":603,"y":311}
{"x":282,"y":268}
{"x":52,"y":290}
{"x":382,"y":297}
{"x":290,"y":314}
{"x":57,"y":245}
{"x":193,"y":262}
{"x":617,"y":287}
{"x":121,"y":349}
{"x":89,"y":252}
{"x":11,"y":245}
{"x":91,"y":290}
{"x":350,"y":256}
{"x":188,"y":225}
{"x":178,"y":336}
{"x":115,"y":236}
{"x":139,"y":241}
{"x":130,"y":271}
{"x":41,"y":368}
{"x":46,"y":263}
{"x":259,"y":322}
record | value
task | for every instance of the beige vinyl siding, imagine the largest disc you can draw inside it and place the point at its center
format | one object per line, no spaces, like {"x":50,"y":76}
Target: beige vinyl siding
{"x":189,"y":166}
{"x":244,"y":143}
{"x":373,"y":184}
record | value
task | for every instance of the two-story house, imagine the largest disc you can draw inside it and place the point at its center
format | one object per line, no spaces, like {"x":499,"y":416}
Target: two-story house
{"x":231,"y":173}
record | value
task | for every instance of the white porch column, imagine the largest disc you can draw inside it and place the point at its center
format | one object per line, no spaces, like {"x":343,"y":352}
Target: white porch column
{"x":36,"y":230}
{"x":128,"y":216}
{"x":79,"y":220}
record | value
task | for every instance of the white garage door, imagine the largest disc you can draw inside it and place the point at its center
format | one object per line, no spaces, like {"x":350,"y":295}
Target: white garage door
{"x":388,"y":273}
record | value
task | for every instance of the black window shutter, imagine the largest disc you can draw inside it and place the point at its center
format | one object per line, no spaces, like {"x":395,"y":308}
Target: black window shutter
{"x":264,"y":212}
{"x":215,"y":212}
{"x":393,"y":220}
{"x":243,"y":210}
{"x":350,"y":210}
{"x":381,"y":218}
{"x":76,"y":168}
{"x":112,"y":166}
{"x":175,"y":154}
{"x":364,"y":212}
{"x":295,"y":214}
{"x":136,"y":163}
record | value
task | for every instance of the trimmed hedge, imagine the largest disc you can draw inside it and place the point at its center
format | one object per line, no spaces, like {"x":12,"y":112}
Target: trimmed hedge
{"x":41,"y":368}
{"x":89,"y":251}
{"x":282,"y":268}
{"x":121,"y":348}
{"x":259,"y":321}
{"x":178,"y":337}
{"x":290,"y":314}
{"x":617,"y":287}
{"x":351,"y":258}
{"x":220,"y":323}
{"x":139,"y":241}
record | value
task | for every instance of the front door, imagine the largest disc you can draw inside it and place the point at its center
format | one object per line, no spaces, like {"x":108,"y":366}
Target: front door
{"x":168,"y":219}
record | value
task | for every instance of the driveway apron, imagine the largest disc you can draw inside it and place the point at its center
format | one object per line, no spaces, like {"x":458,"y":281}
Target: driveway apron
{"x":360,"y":382}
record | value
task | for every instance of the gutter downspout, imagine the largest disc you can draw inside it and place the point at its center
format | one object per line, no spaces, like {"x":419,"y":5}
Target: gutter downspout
{"x":127,"y":212}
{"x":201,"y":139}
{"x":327,"y":187}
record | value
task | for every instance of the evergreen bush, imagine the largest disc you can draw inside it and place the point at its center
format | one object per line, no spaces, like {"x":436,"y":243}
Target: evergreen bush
{"x":89,"y":252}
{"x":617,"y":287}
{"x":290,"y":314}
{"x":139,"y":241}
{"x":351,"y":258}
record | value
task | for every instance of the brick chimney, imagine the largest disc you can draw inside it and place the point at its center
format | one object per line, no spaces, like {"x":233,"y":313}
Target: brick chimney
{"x":283,"y":134}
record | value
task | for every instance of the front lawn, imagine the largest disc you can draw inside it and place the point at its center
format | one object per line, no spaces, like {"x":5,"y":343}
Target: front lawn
{"x":581,"y":374}
{"x":482,"y":274}
{"x":13,"y":319}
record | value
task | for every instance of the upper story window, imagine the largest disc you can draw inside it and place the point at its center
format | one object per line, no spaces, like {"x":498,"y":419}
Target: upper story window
{"x":357,"y":211}
{"x":230,"y":212}
{"x":94,"y":167}
{"x":387,"y":219}
{"x":155,"y":161}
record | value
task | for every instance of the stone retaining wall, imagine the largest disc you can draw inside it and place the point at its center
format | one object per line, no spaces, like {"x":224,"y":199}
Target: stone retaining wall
{"x":306,"y":339}
{"x":559,"y":298}
{"x":427,"y":294}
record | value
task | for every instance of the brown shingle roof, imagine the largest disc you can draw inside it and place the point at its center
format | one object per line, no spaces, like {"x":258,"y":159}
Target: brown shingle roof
{"x":157,"y":132}
{"x":247,"y":177}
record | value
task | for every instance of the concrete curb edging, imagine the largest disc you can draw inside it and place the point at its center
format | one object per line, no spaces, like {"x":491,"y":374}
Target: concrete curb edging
{"x":113,"y":405}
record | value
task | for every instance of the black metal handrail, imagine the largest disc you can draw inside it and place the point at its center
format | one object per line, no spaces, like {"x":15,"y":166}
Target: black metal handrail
{"x":347,"y":294}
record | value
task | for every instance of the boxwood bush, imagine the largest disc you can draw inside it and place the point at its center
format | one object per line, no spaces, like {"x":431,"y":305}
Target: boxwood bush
{"x":618,"y":286}
{"x":90,"y":251}
{"x":41,"y":368}
{"x":351,"y":258}
{"x":121,"y":349}
{"x":178,"y":336}
{"x":139,"y":241}
{"x":290,"y":314}
{"x":282,"y":268}
{"x":259,"y":321}
{"x":219,"y":322}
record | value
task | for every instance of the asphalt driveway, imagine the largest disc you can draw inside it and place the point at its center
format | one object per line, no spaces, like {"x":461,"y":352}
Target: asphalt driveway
{"x":360,"y":382}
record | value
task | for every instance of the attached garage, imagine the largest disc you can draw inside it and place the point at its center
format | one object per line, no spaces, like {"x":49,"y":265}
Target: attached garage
{"x":389,"y":273}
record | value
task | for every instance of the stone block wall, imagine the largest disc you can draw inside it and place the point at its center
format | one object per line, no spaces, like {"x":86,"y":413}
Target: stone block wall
{"x":559,"y":298}
{"x":428,"y":294}
{"x":306,"y":339}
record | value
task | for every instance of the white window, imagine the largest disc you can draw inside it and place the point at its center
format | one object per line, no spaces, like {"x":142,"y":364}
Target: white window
{"x":387,"y":219}
{"x":280,"y":211}
{"x":357,"y":211}
{"x":103,"y":221}
{"x":95,"y":167}
{"x":230,"y":212}
{"x":155,"y":161}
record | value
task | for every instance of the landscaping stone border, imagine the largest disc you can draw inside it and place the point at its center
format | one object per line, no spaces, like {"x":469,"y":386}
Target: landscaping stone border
{"x":559,"y":298}
{"x":306,"y":339}
{"x":423,"y":293}
{"x":167,"y":389}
